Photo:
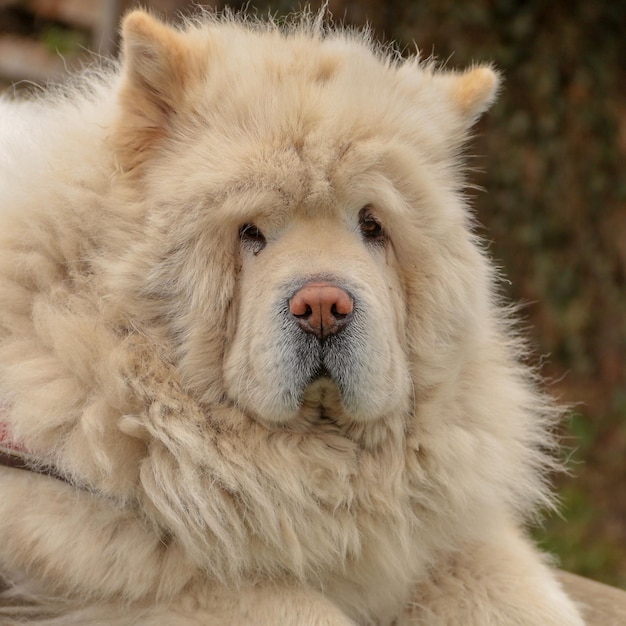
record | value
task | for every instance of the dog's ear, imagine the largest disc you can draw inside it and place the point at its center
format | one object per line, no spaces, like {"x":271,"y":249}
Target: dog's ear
{"x":157,"y":66}
{"x":472,"y":92}
{"x":457,"y":99}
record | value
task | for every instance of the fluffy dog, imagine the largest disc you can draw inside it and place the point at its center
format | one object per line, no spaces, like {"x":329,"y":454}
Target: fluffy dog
{"x":250,"y":348}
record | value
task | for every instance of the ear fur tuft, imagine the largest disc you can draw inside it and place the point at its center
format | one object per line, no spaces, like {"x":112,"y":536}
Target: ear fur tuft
{"x":474,"y":90}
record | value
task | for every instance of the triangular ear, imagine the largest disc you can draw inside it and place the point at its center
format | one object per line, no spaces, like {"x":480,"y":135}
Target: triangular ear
{"x":462,"y":96}
{"x":157,"y":66}
{"x":472,"y":92}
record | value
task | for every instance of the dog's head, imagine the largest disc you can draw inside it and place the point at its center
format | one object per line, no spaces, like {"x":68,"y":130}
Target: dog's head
{"x":306,"y":241}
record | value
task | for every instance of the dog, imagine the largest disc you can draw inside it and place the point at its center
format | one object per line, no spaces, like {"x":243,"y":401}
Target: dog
{"x":252,"y":355}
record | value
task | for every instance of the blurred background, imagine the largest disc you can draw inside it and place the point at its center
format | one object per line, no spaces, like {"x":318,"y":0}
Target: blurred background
{"x":550,"y":156}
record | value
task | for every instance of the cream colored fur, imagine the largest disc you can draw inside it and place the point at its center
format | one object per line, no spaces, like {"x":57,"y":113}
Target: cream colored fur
{"x":145,"y":350}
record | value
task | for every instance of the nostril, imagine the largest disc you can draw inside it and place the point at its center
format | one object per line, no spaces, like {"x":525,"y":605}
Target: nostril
{"x":337,"y":313}
{"x":299,"y":305}
{"x":342,"y":305}
{"x":307,"y":311}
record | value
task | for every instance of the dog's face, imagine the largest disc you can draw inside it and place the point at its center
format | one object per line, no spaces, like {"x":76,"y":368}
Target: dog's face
{"x":306,"y":241}
{"x":320,"y":307}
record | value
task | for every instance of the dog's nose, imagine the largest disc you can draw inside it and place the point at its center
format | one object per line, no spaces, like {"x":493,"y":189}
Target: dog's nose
{"x":321,"y":309}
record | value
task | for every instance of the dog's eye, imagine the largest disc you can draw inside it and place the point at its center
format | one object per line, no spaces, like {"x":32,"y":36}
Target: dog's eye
{"x":252,"y":238}
{"x":371,"y":228}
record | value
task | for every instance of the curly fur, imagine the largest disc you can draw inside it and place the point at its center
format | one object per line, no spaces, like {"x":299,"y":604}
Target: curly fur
{"x":141,"y":351}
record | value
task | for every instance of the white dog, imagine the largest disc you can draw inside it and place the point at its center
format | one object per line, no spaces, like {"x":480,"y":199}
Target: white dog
{"x":250,"y":351}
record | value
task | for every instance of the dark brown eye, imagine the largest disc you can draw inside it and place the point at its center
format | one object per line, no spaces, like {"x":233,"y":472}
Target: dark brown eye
{"x":252,"y":238}
{"x":371,"y":228}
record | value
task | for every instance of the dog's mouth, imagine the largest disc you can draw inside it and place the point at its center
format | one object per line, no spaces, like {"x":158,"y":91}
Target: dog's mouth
{"x":331,"y":373}
{"x":320,"y":373}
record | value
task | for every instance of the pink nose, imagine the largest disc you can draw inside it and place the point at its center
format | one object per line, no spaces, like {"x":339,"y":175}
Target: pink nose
{"x":321,"y":309}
